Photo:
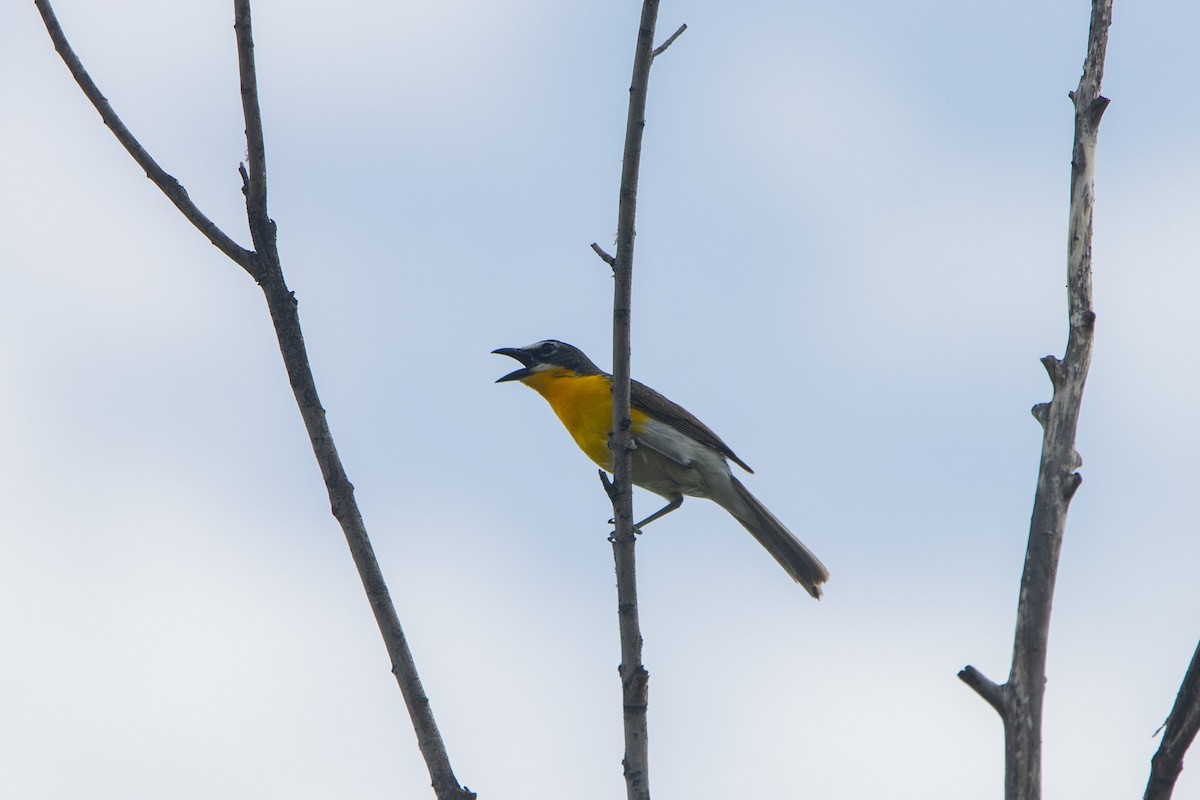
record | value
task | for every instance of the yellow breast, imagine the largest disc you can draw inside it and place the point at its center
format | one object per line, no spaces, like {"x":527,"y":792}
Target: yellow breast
{"x":584,"y":404}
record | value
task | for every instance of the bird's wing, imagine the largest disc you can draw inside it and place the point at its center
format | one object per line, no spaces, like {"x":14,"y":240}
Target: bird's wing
{"x":670,"y":442}
{"x":675,"y":416}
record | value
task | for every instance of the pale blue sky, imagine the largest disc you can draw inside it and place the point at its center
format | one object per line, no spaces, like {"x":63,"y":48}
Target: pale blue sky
{"x":851,"y":255}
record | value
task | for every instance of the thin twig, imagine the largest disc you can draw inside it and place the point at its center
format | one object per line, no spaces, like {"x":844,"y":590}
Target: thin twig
{"x":605,"y":257}
{"x":262,"y":230}
{"x":634,"y":677}
{"x":658,"y":51}
{"x":1020,"y":700}
{"x":1178,"y":733}
{"x":263,"y":264}
{"x":992,"y":692}
{"x":169,"y":186}
{"x":282,"y":305}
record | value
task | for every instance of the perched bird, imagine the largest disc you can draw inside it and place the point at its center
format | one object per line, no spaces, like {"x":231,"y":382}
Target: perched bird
{"x":675,"y":455}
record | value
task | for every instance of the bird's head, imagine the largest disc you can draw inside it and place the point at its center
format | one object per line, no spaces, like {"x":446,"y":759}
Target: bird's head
{"x":547,"y":355}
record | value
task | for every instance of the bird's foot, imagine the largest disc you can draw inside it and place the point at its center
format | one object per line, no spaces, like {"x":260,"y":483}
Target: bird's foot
{"x":612,"y":535}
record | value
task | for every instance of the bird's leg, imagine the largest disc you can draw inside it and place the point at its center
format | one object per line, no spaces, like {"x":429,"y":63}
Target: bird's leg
{"x":675,"y":503}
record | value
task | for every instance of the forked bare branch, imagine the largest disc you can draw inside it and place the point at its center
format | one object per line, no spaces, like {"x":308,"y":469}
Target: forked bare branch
{"x":169,"y":186}
{"x":263,"y":264}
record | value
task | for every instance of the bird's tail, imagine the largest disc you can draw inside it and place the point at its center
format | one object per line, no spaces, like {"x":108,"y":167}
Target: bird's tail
{"x":799,"y":562}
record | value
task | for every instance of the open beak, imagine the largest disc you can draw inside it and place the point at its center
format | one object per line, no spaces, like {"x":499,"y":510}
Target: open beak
{"x":520,"y":355}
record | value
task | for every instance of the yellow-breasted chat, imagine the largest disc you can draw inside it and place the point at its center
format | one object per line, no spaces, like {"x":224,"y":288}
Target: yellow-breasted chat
{"x":676,"y":454}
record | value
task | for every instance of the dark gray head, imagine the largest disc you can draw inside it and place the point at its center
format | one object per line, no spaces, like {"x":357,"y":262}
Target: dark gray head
{"x":546,"y":355}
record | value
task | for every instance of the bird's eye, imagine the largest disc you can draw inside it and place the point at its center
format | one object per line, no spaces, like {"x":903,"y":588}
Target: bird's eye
{"x":547,"y":349}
